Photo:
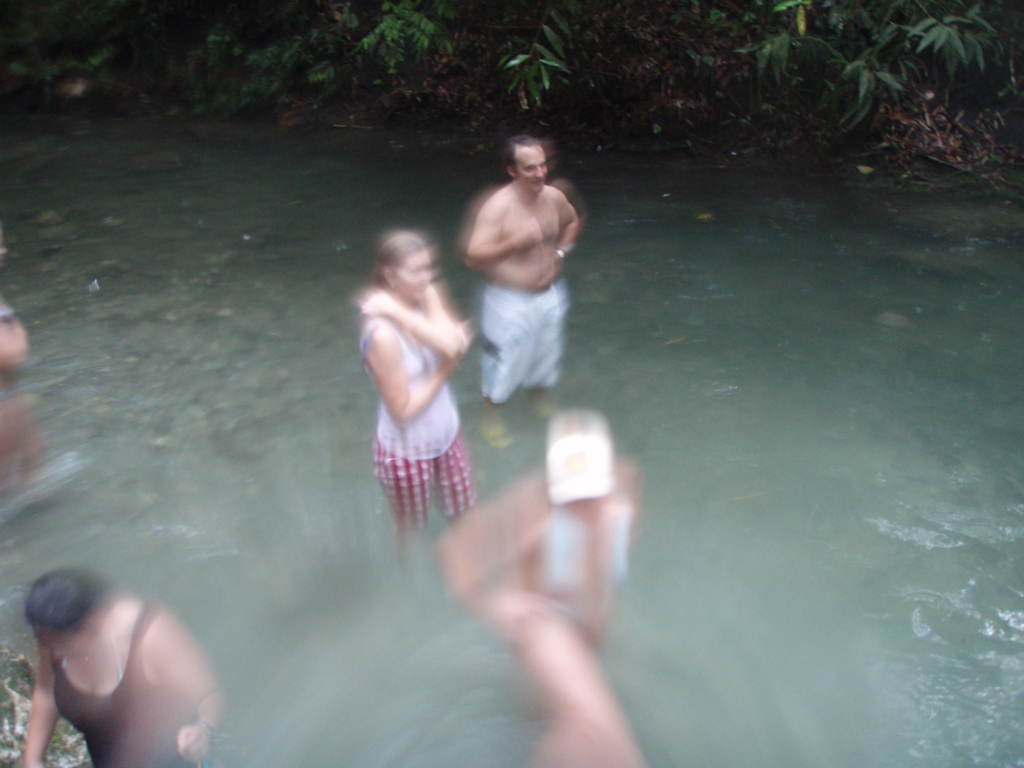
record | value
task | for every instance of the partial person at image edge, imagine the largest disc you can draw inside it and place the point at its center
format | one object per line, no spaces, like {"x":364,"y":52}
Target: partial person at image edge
{"x":124,"y":671}
{"x":22,"y":446}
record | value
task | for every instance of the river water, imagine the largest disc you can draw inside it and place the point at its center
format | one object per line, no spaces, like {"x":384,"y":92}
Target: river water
{"x":820,"y":376}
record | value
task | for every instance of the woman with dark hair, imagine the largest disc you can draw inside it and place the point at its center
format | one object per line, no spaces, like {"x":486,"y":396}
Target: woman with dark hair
{"x":123,"y":671}
{"x":412,"y":341}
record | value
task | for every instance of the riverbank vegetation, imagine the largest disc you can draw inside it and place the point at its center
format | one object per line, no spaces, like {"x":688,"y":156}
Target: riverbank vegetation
{"x":928,"y":79}
{"x":67,"y":750}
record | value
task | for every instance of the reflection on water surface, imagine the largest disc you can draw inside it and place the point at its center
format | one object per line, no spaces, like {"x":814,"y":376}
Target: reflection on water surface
{"x":821,"y":381}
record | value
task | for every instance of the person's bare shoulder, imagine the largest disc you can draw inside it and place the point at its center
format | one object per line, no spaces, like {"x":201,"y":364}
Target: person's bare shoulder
{"x":126,"y":610}
{"x":556,"y":198}
{"x":161,"y":626}
{"x":168,"y":648}
{"x":497,"y":205}
{"x":377,"y":332}
{"x":382,"y":350}
{"x":555,"y":194}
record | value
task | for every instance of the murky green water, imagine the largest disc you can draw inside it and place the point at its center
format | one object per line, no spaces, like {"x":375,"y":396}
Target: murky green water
{"x":822,"y":381}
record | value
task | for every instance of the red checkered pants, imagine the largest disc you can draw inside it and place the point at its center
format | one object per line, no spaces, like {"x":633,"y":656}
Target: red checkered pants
{"x":408,"y":483}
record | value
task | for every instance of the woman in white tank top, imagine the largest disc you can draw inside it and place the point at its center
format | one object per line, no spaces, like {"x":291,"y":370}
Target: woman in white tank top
{"x":412,"y":341}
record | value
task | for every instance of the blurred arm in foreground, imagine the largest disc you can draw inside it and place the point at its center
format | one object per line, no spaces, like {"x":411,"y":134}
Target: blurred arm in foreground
{"x":538,"y":565}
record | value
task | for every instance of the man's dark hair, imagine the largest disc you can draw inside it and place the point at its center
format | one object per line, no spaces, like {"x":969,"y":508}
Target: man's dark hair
{"x":61,"y":599}
{"x":522,"y":140}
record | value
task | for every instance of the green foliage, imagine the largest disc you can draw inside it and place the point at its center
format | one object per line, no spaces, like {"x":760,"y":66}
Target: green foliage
{"x":678,"y":69}
{"x":858,"y":55}
{"x":533,"y":70}
{"x":404,"y":27}
{"x":773,"y":55}
{"x":959,"y":40}
{"x":218,"y":58}
{"x":309,"y":65}
{"x":41,"y":43}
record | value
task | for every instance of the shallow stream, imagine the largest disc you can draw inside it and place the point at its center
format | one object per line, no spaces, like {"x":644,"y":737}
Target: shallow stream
{"x":821,"y":378}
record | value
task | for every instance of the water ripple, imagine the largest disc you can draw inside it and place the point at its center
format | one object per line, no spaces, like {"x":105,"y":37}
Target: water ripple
{"x":974,"y":524}
{"x":922,"y":537}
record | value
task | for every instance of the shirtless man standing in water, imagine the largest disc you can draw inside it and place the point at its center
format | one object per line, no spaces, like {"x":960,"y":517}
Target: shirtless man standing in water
{"x":518,"y":238}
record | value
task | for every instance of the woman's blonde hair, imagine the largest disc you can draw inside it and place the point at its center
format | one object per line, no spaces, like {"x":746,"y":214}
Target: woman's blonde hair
{"x":393,"y":247}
